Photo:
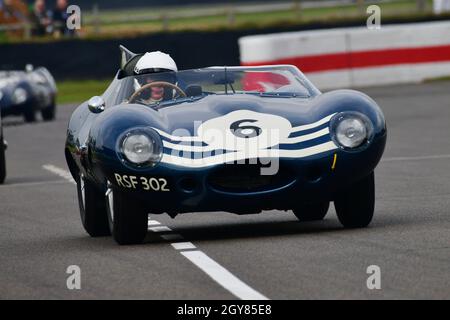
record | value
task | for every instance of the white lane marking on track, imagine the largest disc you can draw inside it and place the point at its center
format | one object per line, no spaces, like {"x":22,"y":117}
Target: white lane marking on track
{"x":160,"y":229}
{"x":214,"y":270}
{"x":418,"y":158}
{"x":222,"y":276}
{"x":183,"y":245}
{"x":32,"y":184}
{"x":152,"y":222}
{"x":59,"y":172}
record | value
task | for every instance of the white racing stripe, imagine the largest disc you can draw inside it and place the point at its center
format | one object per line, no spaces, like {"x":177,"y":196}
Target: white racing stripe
{"x":241,"y":155}
{"x":199,"y":148}
{"x":179,"y":138}
{"x":201,"y":139}
{"x":306,"y":137}
{"x":313,"y":125}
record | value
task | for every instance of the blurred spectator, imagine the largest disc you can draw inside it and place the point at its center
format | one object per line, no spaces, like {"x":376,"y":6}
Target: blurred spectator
{"x":60,"y":17}
{"x":13,"y":12}
{"x":40,"y":18}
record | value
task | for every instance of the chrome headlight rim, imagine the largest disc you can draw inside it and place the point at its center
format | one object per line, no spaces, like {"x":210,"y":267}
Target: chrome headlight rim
{"x":152,"y":136}
{"x":340,"y":117}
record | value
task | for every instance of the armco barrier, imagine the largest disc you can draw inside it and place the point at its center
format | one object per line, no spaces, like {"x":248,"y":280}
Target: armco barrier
{"x":99,"y":58}
{"x":355,"y":57}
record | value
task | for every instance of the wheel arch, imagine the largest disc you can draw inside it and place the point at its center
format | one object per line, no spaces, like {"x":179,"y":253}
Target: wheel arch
{"x":73,"y":168}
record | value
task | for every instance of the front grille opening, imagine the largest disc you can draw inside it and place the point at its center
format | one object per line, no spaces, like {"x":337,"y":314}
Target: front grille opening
{"x":241,"y":178}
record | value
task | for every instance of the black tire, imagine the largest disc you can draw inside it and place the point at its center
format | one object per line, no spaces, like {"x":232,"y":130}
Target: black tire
{"x":29,"y":115}
{"x":93,"y":211}
{"x":48,"y":114}
{"x":312,"y":211}
{"x":355,"y":206}
{"x":127,"y":220}
{"x":2,"y":160}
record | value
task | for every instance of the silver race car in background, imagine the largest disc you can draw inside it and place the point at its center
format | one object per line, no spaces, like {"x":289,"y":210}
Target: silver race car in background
{"x":26,"y":92}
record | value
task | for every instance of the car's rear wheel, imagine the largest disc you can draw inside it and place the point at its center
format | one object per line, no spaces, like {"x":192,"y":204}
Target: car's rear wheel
{"x":93,"y":211}
{"x":49,"y":113}
{"x":312,"y":211}
{"x":355,"y":205}
{"x":2,"y":159}
{"x":127,"y":220}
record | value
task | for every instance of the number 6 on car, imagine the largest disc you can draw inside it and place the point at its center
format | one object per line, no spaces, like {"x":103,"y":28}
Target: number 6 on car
{"x":203,"y":145}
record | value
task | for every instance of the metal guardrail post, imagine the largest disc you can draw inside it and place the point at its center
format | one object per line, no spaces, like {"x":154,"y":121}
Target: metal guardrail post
{"x":297,"y":8}
{"x":96,"y":16}
{"x":421,"y":5}
{"x":231,"y":16}
{"x":27,"y":31}
{"x":165,"y":21}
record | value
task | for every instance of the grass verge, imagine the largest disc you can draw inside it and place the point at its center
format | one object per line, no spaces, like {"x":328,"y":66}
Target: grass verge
{"x":77,"y":91}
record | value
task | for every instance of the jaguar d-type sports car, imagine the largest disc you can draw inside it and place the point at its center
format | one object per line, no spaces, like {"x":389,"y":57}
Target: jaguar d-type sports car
{"x":27,"y":92}
{"x":234,"y":139}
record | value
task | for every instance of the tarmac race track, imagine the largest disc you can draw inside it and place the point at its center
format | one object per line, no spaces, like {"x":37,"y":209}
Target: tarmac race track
{"x":225,"y":256}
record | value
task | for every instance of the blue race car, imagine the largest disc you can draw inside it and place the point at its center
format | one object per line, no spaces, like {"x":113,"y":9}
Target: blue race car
{"x":235,"y":139}
{"x":26,"y":92}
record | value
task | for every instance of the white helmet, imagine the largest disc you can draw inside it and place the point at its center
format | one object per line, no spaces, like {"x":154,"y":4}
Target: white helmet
{"x":155,"y":61}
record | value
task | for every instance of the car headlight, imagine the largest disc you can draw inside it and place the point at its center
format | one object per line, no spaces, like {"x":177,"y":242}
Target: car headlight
{"x":142,"y":147}
{"x":19,"y":96}
{"x":351,"y":129}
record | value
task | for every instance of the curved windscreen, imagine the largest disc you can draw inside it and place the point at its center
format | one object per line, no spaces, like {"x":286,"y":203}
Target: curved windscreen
{"x":173,"y":87}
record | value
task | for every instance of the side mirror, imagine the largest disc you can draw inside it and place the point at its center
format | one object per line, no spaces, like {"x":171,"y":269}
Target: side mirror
{"x":96,"y":104}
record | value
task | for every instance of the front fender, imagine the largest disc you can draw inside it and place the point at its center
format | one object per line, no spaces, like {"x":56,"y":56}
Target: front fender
{"x":351,"y":100}
{"x":108,"y":127}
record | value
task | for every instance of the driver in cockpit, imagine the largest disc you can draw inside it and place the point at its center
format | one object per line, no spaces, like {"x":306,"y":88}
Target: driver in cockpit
{"x":158,"y":68}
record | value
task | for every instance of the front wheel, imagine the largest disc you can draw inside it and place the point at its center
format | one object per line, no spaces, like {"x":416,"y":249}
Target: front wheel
{"x":127,"y":220}
{"x":49,"y":113}
{"x":355,"y":205}
{"x":312,"y":211}
{"x":92,"y":208}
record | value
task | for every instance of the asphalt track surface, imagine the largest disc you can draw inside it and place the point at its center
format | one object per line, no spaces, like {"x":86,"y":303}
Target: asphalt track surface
{"x":225,"y":256}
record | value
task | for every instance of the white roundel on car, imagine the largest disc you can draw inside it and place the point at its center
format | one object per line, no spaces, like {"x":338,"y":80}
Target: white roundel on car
{"x":243,"y":129}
